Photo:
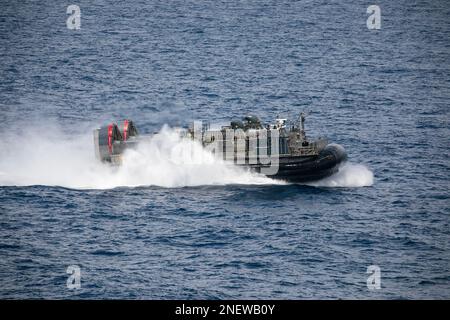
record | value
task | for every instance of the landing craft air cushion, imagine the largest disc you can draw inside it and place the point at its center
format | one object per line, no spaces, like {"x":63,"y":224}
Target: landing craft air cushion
{"x":276,"y":150}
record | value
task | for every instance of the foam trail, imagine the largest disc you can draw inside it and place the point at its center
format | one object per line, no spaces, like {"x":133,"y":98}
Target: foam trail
{"x":349,"y":175}
{"x":50,"y":157}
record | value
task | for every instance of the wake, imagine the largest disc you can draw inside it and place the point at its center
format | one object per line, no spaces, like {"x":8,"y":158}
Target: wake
{"x":164,"y":160}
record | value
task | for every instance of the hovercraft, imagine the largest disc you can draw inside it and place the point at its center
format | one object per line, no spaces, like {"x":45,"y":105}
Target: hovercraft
{"x":278,"y":150}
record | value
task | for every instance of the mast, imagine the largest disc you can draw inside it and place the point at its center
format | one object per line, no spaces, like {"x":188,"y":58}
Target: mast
{"x":302,"y":120}
{"x":302,"y":126}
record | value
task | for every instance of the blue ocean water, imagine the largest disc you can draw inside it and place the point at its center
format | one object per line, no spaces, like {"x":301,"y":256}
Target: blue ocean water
{"x":383,"y":94}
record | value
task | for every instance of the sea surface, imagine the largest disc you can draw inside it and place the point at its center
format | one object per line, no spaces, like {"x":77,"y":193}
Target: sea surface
{"x":158,"y":229}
